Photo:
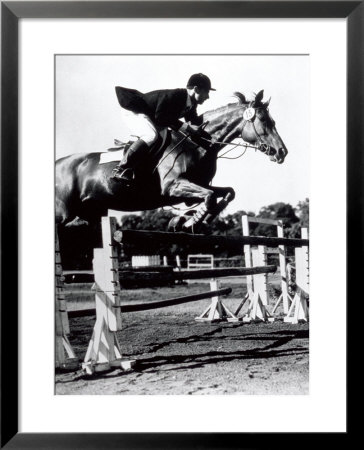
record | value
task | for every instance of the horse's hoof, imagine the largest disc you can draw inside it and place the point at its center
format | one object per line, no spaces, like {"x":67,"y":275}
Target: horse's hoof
{"x":199,"y":228}
{"x":119,"y":179}
{"x":77,"y":222}
{"x":176,"y":223}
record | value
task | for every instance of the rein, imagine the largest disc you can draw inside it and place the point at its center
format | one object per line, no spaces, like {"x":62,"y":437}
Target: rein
{"x":249,"y":116}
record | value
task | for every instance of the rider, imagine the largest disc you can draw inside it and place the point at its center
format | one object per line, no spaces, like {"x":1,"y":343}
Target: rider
{"x":147,"y":113}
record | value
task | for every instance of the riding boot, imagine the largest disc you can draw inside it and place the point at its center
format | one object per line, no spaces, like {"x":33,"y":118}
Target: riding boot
{"x":124,"y":171}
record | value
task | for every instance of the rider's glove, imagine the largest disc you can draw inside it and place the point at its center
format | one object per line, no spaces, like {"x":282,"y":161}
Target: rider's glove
{"x":195,"y":132}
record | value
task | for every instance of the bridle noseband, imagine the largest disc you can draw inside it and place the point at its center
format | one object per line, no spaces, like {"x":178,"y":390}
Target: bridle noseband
{"x":249,"y":115}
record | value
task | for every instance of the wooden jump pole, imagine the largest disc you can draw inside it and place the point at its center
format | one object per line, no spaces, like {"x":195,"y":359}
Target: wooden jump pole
{"x":133,"y":307}
{"x":182,"y":239}
{"x":173,"y":301}
{"x":194,"y":274}
{"x":184,"y":274}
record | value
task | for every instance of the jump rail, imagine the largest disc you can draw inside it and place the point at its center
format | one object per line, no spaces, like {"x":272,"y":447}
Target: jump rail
{"x":181,"y":275}
{"x":133,"y":307}
{"x":181,"y":239}
{"x":173,"y":301}
{"x":194,"y":274}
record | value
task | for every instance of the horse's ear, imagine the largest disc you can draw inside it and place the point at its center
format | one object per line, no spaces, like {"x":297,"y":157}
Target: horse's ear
{"x":259,"y":97}
{"x":240,"y":97}
{"x":266,"y":104}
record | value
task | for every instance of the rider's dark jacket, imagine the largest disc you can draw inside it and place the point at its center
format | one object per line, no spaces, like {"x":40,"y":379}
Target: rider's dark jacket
{"x":164,"y":107}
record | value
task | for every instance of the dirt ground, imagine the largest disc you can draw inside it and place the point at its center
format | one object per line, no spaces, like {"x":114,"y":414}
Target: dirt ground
{"x":176,"y":355}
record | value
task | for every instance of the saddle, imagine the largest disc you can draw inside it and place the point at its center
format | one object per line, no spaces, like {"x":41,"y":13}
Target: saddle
{"x":153,"y":156}
{"x":157,"y":149}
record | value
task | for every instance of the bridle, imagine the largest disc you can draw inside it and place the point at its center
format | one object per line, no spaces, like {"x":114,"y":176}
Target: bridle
{"x":249,"y":115}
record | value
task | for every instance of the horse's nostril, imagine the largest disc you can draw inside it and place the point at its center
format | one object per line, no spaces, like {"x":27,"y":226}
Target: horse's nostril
{"x":282,"y":152}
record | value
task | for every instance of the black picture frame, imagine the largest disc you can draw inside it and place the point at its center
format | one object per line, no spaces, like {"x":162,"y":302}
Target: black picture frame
{"x":11,"y":12}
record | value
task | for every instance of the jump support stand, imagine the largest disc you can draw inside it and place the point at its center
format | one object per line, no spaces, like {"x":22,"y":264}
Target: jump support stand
{"x":217,"y":311}
{"x":65,"y":356}
{"x":103,"y":351}
{"x":298,"y":312}
{"x":257,"y":288}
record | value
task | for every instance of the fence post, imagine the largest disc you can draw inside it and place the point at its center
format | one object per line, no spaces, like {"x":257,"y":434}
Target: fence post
{"x":65,"y":356}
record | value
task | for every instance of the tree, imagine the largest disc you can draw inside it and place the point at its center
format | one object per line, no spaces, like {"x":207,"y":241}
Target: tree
{"x":303,"y":213}
{"x":153,"y":220}
{"x":279,"y":211}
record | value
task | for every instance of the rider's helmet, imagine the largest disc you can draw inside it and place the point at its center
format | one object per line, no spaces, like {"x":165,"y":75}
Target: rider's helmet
{"x":200,"y":80}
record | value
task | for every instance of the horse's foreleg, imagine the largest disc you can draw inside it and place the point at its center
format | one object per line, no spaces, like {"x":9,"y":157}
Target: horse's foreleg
{"x":206,"y":215}
{"x":228,"y":195}
{"x":184,"y":191}
{"x":223,"y":192}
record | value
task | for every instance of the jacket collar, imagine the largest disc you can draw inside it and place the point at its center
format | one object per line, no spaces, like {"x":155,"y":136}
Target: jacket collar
{"x":189,"y":102}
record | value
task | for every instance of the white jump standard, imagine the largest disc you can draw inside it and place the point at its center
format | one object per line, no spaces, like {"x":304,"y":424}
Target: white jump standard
{"x":65,"y":356}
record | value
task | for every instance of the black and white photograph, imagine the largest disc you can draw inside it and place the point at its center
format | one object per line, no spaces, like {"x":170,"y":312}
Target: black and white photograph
{"x":182,"y":189}
{"x":181,"y":222}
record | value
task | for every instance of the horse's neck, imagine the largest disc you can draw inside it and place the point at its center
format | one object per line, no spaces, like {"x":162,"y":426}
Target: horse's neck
{"x":223,"y":123}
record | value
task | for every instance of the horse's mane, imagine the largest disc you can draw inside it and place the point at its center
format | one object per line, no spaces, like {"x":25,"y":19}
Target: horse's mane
{"x":242,"y":101}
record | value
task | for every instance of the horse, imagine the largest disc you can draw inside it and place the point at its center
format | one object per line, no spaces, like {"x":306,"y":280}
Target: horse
{"x":183,"y":172}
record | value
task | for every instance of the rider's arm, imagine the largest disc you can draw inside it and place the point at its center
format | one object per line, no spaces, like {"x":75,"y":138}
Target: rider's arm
{"x":193,"y":118}
{"x":192,"y":121}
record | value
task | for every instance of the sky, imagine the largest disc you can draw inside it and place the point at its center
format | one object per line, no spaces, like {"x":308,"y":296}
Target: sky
{"x":88,"y":115}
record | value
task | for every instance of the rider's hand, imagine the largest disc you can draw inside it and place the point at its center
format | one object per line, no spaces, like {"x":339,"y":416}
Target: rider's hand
{"x":197,"y":132}
{"x":205,"y":135}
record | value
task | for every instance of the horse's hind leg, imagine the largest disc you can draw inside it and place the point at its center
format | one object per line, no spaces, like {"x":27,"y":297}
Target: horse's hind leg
{"x":62,"y":215}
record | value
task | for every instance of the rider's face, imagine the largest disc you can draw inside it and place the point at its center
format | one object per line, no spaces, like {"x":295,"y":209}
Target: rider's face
{"x":201,"y":95}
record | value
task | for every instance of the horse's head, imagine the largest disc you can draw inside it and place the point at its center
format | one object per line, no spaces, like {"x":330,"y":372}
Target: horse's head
{"x":258,"y":127}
